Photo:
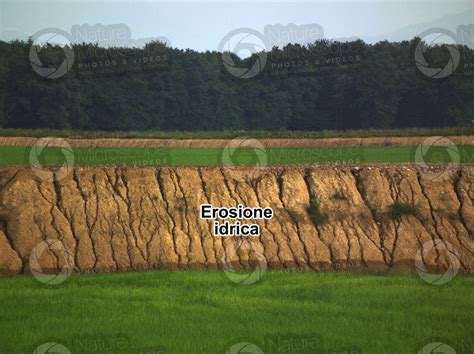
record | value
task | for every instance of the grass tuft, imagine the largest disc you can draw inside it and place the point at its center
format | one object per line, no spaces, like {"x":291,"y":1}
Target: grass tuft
{"x":315,"y":210}
{"x":339,"y":195}
{"x":398,"y":209}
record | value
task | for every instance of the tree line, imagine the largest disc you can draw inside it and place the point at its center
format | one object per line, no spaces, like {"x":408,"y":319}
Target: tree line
{"x":324,"y":85}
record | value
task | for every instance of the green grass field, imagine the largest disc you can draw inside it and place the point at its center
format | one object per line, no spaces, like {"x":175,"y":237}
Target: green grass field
{"x":230,"y":134}
{"x":242,"y":156}
{"x":204,"y":312}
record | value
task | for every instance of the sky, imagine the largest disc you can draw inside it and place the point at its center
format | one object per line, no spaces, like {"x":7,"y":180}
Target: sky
{"x":202,"y":25}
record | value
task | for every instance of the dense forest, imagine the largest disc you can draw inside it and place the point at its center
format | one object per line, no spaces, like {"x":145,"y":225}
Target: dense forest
{"x":325,"y":85}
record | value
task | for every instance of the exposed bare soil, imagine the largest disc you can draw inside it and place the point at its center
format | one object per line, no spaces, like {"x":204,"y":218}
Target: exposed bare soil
{"x":217,"y":143}
{"x":121,"y":219}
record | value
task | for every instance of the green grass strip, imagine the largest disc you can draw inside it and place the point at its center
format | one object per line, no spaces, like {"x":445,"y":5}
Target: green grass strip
{"x":21,"y":155}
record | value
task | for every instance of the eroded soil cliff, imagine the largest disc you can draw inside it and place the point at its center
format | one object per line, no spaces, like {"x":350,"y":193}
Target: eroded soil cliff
{"x":120,"y":219}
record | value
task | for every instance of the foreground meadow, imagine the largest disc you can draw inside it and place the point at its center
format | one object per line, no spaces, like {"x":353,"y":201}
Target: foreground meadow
{"x":205,"y":312}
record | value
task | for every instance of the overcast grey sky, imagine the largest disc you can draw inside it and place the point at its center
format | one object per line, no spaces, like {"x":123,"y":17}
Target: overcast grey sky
{"x":201,"y":25}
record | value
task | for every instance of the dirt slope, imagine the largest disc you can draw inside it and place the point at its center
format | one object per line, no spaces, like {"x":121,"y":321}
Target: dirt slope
{"x":221,"y":143}
{"x":136,"y":218}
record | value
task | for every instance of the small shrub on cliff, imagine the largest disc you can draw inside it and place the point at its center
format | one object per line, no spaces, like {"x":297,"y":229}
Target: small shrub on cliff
{"x":339,"y":195}
{"x":449,"y":214}
{"x":315,"y":210}
{"x":181,"y":203}
{"x":398,"y":209}
{"x":453,"y":216}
